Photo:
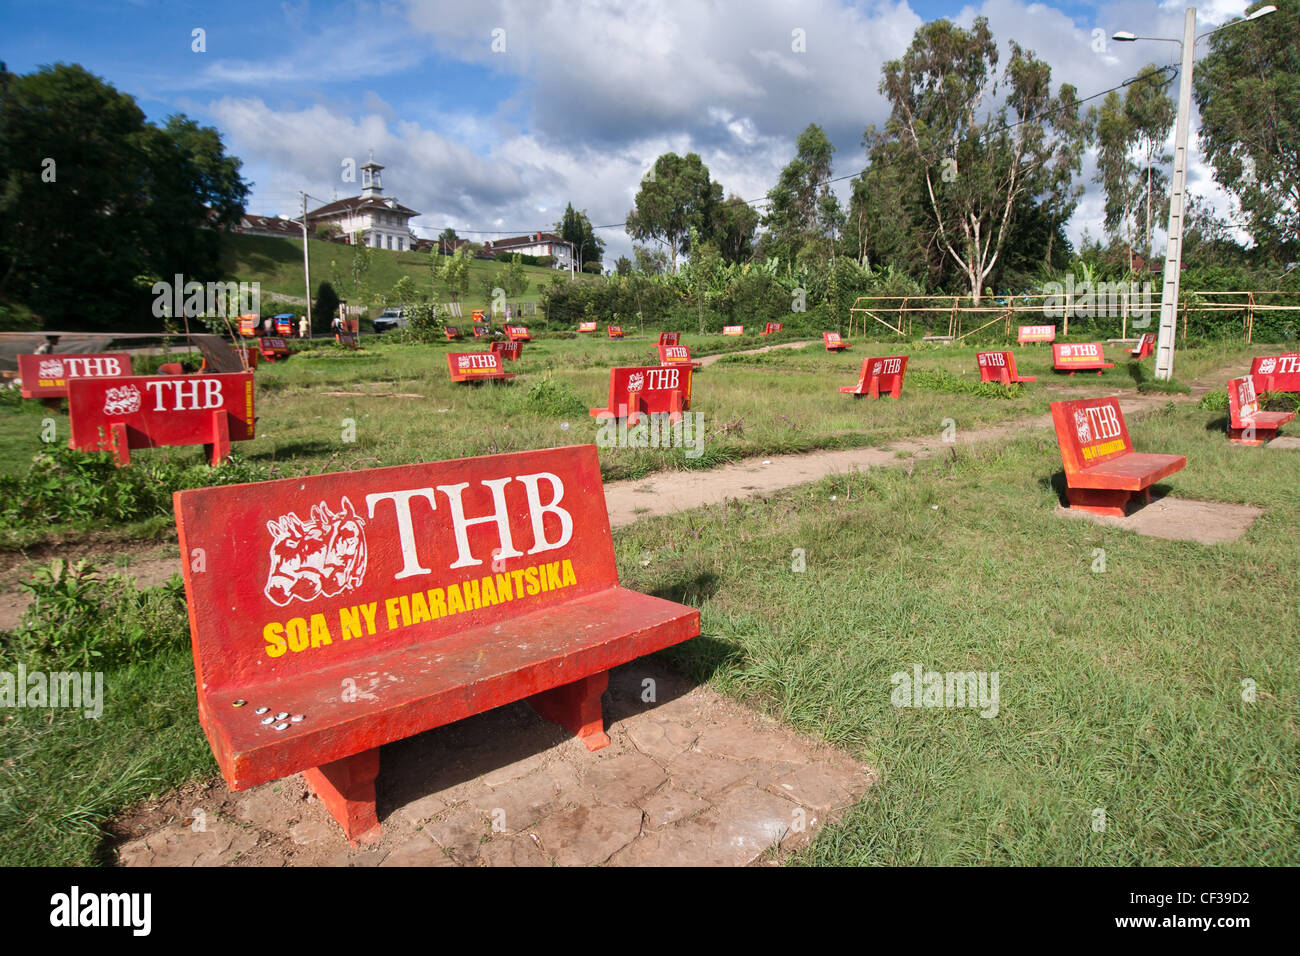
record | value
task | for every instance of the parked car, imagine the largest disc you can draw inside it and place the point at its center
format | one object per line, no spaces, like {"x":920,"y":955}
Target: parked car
{"x":390,"y":319}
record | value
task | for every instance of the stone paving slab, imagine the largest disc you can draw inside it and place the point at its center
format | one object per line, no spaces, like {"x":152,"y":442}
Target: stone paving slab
{"x":1179,"y":519}
{"x":690,"y":778}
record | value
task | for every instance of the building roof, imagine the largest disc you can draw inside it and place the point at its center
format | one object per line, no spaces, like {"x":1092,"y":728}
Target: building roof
{"x":268,"y":223}
{"x":355,"y":204}
{"x":531,"y":239}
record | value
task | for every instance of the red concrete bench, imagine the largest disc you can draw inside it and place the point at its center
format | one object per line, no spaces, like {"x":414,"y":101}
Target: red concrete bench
{"x":340,"y":612}
{"x":46,"y":376}
{"x":771,"y":328}
{"x":150,"y":411}
{"x":586,"y":326}
{"x":1000,"y":367}
{"x":670,"y":338}
{"x":834,"y":343}
{"x":480,"y":331}
{"x":452,"y":333}
{"x":1276,"y":373}
{"x":1079,"y":357}
{"x":615,"y":331}
{"x":273,"y":348}
{"x":510,"y":350}
{"x":1247,"y":424}
{"x":1102,"y":471}
{"x":653,"y":390}
{"x":518,"y":333}
{"x":1035,"y":333}
{"x":1146,"y":347}
{"x":346,"y":339}
{"x":476,"y":367}
{"x":171,"y":368}
{"x":733,"y":330}
{"x":676,"y":355}
{"x":878,"y":376}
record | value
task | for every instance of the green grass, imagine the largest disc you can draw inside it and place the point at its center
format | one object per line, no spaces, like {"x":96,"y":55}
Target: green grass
{"x":1119,"y":690}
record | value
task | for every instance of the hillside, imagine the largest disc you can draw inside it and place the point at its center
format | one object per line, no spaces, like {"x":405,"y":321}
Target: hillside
{"x":277,"y":264}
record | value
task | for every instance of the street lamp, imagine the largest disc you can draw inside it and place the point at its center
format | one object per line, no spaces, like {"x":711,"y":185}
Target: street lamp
{"x":1174,"y":250}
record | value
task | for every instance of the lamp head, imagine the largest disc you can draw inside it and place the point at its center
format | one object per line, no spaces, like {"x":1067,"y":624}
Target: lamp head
{"x":1124,"y":37}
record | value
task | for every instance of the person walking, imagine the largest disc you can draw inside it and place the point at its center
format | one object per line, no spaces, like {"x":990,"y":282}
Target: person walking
{"x":304,"y":328}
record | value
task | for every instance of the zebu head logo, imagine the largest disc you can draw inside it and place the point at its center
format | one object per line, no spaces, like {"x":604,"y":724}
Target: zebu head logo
{"x":875,"y":369}
{"x":122,"y":401}
{"x":320,"y":557}
{"x":50,"y":368}
{"x":635,"y":381}
{"x":1082,"y":428}
{"x":1267,"y":365}
{"x":462,"y":361}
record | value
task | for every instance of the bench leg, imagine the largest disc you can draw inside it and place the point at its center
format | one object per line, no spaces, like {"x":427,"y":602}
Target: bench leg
{"x":219,"y":449}
{"x":576,"y":707}
{"x":119,"y":444}
{"x":347,"y":789}
{"x":1252,"y":436}
{"x":1100,"y":501}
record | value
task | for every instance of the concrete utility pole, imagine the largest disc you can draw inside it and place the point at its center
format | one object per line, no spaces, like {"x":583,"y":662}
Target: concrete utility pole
{"x":1177,"y":186}
{"x":306,"y":264}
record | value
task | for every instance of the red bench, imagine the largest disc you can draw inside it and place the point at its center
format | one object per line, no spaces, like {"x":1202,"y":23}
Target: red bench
{"x":480,"y":331}
{"x":341,"y":612}
{"x":150,"y":411}
{"x":452,"y":333}
{"x":670,"y":338}
{"x":47,"y":376}
{"x":733,"y":330}
{"x":1035,"y":333}
{"x":273,"y":348}
{"x":510,"y":350}
{"x":476,"y":367}
{"x":1146,"y":347}
{"x":676,"y":355}
{"x":1102,"y":471}
{"x":346,"y":339}
{"x":586,"y":326}
{"x":771,"y":328}
{"x":518,"y":333}
{"x":653,"y":390}
{"x":1276,"y":373}
{"x":834,"y":343}
{"x":1248,"y":425}
{"x":878,"y":376}
{"x":615,"y":331}
{"x":1000,"y":367}
{"x":1079,"y":357}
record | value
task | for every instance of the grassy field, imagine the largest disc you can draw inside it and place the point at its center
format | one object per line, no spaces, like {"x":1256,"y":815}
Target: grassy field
{"x":277,"y":264}
{"x":1120,"y":691}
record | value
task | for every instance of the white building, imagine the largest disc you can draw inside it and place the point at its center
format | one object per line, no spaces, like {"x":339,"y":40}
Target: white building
{"x":381,"y":220}
{"x":535,"y":244}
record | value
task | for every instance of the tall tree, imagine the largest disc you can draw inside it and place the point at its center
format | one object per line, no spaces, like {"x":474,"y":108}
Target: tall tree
{"x":802,"y":210}
{"x":734,"y":223}
{"x":1116,"y":172}
{"x":575,"y":227}
{"x":675,"y":195}
{"x":977,"y":159}
{"x":1150,"y":113}
{"x":1248,"y":92}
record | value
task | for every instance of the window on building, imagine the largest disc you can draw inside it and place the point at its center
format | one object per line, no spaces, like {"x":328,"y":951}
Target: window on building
{"x":400,"y":247}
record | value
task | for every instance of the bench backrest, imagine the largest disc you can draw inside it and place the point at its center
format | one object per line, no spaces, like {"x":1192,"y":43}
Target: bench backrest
{"x":509,"y":349}
{"x":304,"y":573}
{"x":772,"y":328}
{"x":1090,"y":431}
{"x":586,"y":326}
{"x":887,"y":370}
{"x":674,"y":354}
{"x":480,"y":331}
{"x":1145,"y":345}
{"x":468,"y":366}
{"x":346,"y":339}
{"x":518,"y":331}
{"x":452,"y":332}
{"x":1036,"y":333}
{"x":832,"y":338}
{"x":47,"y":376}
{"x":992,"y":364}
{"x":615,"y":331}
{"x":159,"y":410}
{"x":1242,"y":400}
{"x":273,"y":345}
{"x":1077,"y":355}
{"x":733,"y":330}
{"x":670,"y":338}
{"x":1276,"y":373}
{"x":654,"y":383}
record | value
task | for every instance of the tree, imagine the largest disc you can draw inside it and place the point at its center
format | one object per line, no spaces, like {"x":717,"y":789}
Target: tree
{"x":1248,"y":93}
{"x":975,"y":160}
{"x":623,"y":266}
{"x":651,"y":262}
{"x":327,"y":304}
{"x":453,"y":272}
{"x":674,"y":196}
{"x":1150,"y":114}
{"x":1115,"y":171}
{"x":404,"y":292}
{"x":802,"y":210}
{"x":734,"y":223}
{"x":92,"y":198}
{"x":514,"y":280}
{"x":575,"y":228}
{"x":448,"y":235}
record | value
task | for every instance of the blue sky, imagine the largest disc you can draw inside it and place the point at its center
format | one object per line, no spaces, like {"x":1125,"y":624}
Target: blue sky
{"x":572,"y":105}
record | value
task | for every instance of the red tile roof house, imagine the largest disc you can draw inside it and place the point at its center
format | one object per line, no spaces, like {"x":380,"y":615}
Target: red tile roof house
{"x":382,"y":221}
{"x":534,"y":244}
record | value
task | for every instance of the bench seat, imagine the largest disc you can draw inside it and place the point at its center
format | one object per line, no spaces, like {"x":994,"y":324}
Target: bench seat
{"x":1132,"y":472}
{"x":426,"y":685}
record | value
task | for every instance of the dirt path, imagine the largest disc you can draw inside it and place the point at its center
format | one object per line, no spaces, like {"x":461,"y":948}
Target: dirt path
{"x":710,"y":359}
